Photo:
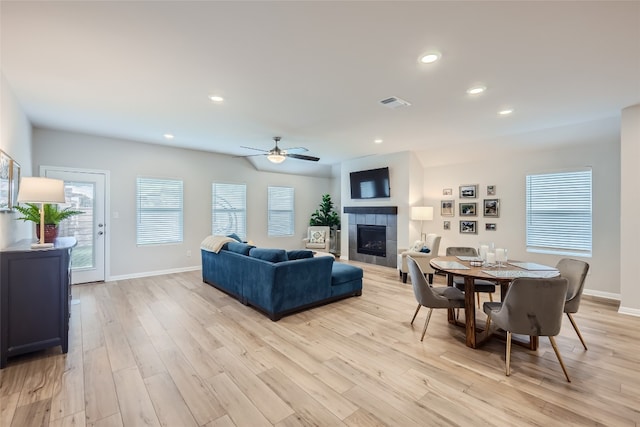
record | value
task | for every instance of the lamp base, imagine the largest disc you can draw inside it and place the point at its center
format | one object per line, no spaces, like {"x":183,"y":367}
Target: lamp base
{"x":41,"y":245}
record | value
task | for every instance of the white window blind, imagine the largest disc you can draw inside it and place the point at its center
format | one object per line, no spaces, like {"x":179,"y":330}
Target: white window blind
{"x":281,"y":212}
{"x":559,"y":213}
{"x":229,"y":210}
{"x":160,"y":216}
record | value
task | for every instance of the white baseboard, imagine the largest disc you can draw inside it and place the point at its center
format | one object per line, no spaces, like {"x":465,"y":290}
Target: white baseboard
{"x":152,"y":273}
{"x":600,"y":294}
{"x":630,"y":311}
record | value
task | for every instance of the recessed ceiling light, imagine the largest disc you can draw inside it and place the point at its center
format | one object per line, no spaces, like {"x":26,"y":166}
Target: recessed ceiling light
{"x":505,"y":112}
{"x":216,"y":98}
{"x":430,"y":57}
{"x":168,"y":136}
{"x":475,"y":90}
{"x":377,"y":141}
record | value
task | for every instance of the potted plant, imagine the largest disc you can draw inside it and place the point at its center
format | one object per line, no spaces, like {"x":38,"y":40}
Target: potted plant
{"x":325,"y":215}
{"x":53,"y":215}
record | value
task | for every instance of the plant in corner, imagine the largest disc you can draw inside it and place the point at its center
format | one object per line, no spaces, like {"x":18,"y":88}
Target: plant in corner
{"x":53,"y":216}
{"x":325,"y":215}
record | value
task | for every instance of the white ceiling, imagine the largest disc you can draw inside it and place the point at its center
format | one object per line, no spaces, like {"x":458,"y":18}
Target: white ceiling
{"x":314,"y":72}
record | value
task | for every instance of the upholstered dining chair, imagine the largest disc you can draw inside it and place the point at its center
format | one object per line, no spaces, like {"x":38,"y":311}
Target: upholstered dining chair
{"x":531,"y":307}
{"x":479,"y":285}
{"x":575,"y":271}
{"x":423,"y":259}
{"x":429,"y":296}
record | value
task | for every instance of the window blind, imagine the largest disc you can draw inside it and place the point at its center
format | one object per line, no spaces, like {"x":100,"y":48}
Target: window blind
{"x":229,"y":209}
{"x":159,"y":216}
{"x":281,"y":211}
{"x":559,"y":213}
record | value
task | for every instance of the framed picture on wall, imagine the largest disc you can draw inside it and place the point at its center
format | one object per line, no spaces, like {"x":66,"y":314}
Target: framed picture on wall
{"x":468,"y":209}
{"x":491,"y":190}
{"x":5,"y":188}
{"x":468,"y":191}
{"x":468,"y":227}
{"x":492,"y":207}
{"x":447,"y":225}
{"x":447,"y":207}
{"x":14,"y":183}
{"x":447,"y":191}
{"x":490,"y":226}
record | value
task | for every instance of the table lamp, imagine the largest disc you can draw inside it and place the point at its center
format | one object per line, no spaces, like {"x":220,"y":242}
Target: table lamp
{"x":422,"y":214}
{"x":41,"y":190}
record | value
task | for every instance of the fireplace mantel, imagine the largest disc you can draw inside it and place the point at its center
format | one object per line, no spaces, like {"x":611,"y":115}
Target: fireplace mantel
{"x":379,"y":210}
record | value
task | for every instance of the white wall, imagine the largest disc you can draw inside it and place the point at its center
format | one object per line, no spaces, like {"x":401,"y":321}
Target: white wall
{"x":127,"y":159}
{"x":15,"y":140}
{"x":629,"y":208}
{"x":507,"y":171}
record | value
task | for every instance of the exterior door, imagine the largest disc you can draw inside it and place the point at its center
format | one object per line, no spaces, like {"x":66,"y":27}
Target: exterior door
{"x":85,"y":190}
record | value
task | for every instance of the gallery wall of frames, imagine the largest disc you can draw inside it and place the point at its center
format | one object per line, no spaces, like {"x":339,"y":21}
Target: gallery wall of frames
{"x":9,"y":181}
{"x":470,"y":205}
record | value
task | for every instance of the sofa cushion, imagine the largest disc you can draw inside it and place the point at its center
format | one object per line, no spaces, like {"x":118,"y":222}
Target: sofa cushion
{"x":271,"y":255}
{"x":299,"y":254}
{"x":239,"y":248}
{"x":342,"y":273}
{"x":234,"y":236}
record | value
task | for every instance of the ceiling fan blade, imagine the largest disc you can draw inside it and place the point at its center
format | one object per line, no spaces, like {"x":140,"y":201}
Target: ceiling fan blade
{"x":295,"y":150}
{"x":251,"y":155}
{"x":303,"y":157}
{"x":256,"y":149}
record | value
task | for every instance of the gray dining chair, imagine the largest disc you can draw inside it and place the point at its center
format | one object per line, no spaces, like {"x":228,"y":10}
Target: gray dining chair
{"x":531,"y":307}
{"x":429,"y":296}
{"x":479,"y":285}
{"x":575,"y":271}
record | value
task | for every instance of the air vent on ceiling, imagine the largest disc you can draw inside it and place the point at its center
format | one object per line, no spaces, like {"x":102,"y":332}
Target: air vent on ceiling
{"x":394,"y":102}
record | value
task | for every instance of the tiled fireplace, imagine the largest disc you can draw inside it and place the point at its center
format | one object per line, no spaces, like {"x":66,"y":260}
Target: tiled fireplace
{"x":373,"y":234}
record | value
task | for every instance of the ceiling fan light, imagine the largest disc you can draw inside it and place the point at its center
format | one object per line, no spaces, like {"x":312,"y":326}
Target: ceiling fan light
{"x":276,"y":158}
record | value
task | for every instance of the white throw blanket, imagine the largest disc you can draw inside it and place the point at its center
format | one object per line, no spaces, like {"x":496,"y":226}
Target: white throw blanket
{"x":215,"y":243}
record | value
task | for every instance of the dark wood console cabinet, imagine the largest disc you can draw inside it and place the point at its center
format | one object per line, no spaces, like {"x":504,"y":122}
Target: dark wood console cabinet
{"x":35,"y":295}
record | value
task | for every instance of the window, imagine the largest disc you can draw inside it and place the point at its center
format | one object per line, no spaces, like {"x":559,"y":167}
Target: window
{"x":160,"y":216}
{"x":559,"y":213}
{"x":229,"y":209}
{"x":281,"y":213}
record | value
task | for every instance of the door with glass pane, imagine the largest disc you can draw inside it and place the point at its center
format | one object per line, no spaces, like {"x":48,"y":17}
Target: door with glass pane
{"x":84,"y":191}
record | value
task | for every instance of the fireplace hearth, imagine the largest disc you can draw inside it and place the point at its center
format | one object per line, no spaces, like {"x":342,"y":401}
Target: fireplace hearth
{"x":373,"y":234}
{"x":372,"y":240}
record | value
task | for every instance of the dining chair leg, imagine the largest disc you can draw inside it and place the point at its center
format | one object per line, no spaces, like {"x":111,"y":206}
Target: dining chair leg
{"x":575,"y":326}
{"x":416,"y":313}
{"x":555,"y":348}
{"x":426,"y":323}
{"x":508,"y":355}
{"x":491,"y":297}
{"x":478,"y":297}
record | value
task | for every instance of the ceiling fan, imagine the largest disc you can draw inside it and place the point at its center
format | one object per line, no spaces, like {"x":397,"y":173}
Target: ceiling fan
{"x":278,"y":155}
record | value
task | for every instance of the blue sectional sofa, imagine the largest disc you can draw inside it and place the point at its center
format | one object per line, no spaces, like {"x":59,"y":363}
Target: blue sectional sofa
{"x":279,"y":282}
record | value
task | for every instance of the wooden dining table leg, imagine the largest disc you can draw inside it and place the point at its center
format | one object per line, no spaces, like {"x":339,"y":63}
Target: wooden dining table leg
{"x":470,"y":311}
{"x":451,"y":312}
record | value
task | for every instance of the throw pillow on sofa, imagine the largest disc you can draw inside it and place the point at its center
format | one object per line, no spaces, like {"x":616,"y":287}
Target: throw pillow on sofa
{"x":234,"y":236}
{"x":271,"y":255}
{"x":239,"y":248}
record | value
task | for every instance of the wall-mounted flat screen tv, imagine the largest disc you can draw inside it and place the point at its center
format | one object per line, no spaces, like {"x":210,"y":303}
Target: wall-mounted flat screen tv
{"x":370,"y":184}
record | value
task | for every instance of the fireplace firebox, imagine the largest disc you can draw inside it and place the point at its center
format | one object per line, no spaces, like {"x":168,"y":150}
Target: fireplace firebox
{"x":372,"y":240}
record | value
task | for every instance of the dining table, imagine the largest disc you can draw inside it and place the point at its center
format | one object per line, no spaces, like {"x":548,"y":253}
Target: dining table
{"x":471,"y":268}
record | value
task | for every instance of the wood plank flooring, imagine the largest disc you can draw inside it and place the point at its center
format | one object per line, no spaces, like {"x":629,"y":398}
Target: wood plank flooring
{"x":173,"y":351}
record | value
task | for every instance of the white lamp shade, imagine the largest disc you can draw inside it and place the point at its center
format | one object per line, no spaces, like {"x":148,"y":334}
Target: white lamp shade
{"x":41,"y":190}
{"x":422,"y":213}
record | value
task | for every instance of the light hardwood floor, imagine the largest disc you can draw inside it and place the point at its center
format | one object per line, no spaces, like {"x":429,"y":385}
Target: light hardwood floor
{"x":173,"y":351}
